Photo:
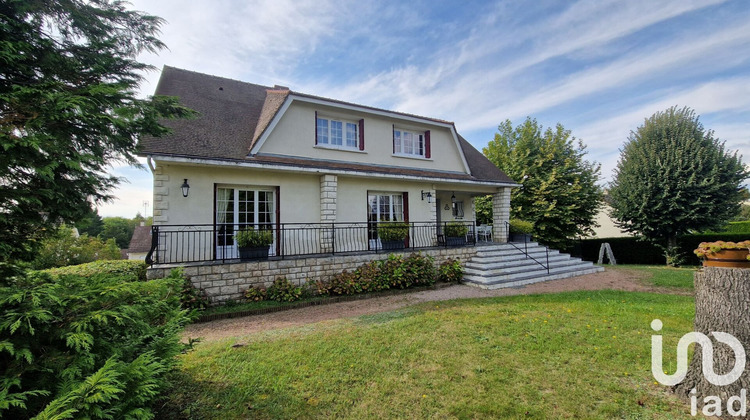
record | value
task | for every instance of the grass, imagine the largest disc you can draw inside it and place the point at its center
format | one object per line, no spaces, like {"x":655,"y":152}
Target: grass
{"x":231,"y":307}
{"x":579,"y":354}
{"x":662,"y":276}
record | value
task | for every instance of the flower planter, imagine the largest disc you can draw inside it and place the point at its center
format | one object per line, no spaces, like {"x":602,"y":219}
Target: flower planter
{"x":249,"y":254}
{"x":393,"y":244}
{"x":455,"y":240}
{"x":728,"y":258}
{"x":520,"y":237}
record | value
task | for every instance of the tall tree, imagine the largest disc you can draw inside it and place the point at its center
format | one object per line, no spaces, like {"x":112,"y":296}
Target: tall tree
{"x":68,"y":109}
{"x":558,"y":190}
{"x":673,"y":177}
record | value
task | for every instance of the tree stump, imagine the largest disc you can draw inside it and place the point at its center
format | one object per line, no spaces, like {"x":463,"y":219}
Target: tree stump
{"x":722,"y":303}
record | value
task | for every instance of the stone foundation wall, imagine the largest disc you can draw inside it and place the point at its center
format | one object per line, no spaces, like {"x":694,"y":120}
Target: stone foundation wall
{"x":225,"y":282}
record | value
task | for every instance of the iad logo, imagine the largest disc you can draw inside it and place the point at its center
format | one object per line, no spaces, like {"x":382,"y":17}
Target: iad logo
{"x":712,"y":404}
{"x":707,"y":357}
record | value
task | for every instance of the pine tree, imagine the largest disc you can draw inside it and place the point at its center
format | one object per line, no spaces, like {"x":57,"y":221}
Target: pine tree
{"x":69,"y":108}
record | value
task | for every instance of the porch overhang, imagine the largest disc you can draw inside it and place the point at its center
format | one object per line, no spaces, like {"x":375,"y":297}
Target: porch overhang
{"x":232,"y":163}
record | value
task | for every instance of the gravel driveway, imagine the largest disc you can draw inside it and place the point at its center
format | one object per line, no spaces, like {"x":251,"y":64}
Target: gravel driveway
{"x":615,"y":279}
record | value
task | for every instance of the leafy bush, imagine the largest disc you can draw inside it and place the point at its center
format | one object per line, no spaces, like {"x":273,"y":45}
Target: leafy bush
{"x":85,"y":347}
{"x":344,"y":283}
{"x":62,"y":249}
{"x":419,"y":270}
{"x":455,"y":229}
{"x":393,"y":231}
{"x":282,"y":290}
{"x":127,"y":270}
{"x":395,"y":272}
{"x":451,"y":271}
{"x":521,"y":226}
{"x":256,"y":294}
{"x":191,"y":297}
{"x":251,"y":238}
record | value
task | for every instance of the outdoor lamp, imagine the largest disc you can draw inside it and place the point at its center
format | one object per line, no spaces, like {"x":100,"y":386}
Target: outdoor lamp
{"x":428,"y":195}
{"x":185,"y":188}
{"x":453,"y":198}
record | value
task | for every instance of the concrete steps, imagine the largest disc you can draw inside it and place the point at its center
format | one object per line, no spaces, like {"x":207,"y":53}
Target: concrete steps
{"x":506,"y":265}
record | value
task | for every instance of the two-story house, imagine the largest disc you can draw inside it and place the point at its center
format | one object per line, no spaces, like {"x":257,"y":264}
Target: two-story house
{"x":302,"y":165}
{"x":324,"y":177}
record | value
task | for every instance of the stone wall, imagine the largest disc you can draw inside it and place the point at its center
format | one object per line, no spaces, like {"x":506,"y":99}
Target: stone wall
{"x":225,"y":282}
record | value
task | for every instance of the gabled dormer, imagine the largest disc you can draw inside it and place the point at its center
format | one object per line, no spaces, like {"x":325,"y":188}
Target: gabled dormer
{"x":309,"y":127}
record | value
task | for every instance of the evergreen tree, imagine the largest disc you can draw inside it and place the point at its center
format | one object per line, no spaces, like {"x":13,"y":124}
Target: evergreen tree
{"x":68,"y":109}
{"x":673,"y":177}
{"x":558,"y":192}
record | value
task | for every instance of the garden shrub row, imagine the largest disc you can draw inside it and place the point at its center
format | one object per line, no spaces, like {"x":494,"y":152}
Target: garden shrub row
{"x":396,"y":272}
{"x":633,"y":251}
{"x":86,"y":342}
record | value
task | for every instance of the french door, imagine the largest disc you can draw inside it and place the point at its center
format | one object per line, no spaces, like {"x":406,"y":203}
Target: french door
{"x":240,"y":208}
{"x":382,"y":207}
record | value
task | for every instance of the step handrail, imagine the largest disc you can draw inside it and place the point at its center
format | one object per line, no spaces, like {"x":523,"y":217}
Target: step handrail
{"x":525,"y":249}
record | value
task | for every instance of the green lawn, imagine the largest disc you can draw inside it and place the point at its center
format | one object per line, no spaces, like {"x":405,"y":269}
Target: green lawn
{"x":580,"y":355}
{"x":662,"y":276}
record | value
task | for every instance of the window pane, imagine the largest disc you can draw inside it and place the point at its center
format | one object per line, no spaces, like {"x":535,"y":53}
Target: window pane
{"x":351,"y":135}
{"x":408,"y":143}
{"x":336,"y":132}
{"x":420,"y":152}
{"x":397,"y":141}
{"x":322,"y":130}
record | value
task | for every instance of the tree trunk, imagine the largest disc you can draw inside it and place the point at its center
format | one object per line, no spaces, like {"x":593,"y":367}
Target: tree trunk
{"x":722,"y":303}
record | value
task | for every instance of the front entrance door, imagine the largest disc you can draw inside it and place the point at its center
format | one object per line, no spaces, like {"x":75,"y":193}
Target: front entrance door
{"x":238,"y":208}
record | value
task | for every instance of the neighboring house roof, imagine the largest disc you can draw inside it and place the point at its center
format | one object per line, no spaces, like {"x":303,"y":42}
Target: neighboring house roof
{"x":141,"y":240}
{"x":234,"y":115}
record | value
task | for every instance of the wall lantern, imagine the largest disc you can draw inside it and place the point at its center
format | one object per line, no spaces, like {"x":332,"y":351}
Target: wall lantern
{"x":185,"y":188}
{"x":453,"y":198}
{"x":428,"y":195}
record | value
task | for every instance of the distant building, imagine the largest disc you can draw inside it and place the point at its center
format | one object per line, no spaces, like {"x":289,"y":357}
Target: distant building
{"x":140,"y":243}
{"x":607,"y":227}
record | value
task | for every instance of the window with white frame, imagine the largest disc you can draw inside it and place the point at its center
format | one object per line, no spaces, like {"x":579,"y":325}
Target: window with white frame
{"x":337,"y":133}
{"x":410,"y":143}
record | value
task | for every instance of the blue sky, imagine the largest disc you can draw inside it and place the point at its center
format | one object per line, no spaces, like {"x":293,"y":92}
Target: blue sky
{"x":598,"y":67}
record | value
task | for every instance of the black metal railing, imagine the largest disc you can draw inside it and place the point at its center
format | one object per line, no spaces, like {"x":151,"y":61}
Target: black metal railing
{"x":216,"y":242}
{"x":525,"y":249}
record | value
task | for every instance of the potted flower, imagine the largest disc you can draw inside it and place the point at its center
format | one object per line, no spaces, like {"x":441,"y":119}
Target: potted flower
{"x":393,"y":234}
{"x":724,"y":254}
{"x":253,"y":244}
{"x":455,"y":233}
{"x":520,"y":230}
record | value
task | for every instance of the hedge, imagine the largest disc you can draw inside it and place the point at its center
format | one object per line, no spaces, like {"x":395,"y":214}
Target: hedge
{"x":633,"y":251}
{"x":127,"y":270}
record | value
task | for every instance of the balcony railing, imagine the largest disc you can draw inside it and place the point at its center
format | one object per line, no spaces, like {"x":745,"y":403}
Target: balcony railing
{"x":174,"y":244}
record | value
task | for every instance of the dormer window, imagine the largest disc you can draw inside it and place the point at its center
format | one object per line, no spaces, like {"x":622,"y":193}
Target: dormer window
{"x":411,"y":143}
{"x":339,"y":133}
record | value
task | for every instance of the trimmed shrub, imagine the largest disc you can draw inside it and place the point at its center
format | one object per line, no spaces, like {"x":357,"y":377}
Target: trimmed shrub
{"x":451,"y":271}
{"x":633,"y":251}
{"x":282,"y":290}
{"x":75,"y":346}
{"x":126,"y":270}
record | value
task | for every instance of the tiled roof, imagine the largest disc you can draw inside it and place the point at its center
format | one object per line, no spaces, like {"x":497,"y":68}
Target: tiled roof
{"x":233,"y":115}
{"x":141,"y":240}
